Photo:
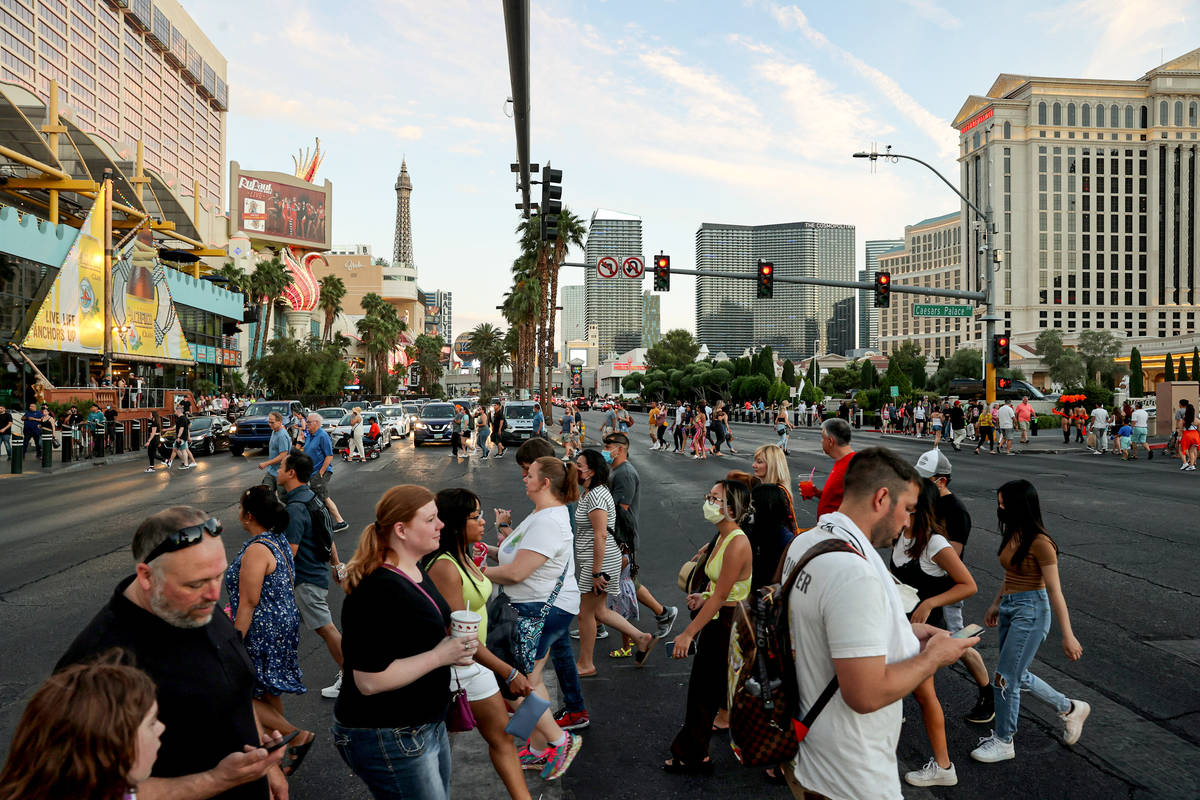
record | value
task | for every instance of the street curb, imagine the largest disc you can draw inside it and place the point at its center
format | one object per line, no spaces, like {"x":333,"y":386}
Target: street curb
{"x":59,"y":468}
{"x":1025,"y":451}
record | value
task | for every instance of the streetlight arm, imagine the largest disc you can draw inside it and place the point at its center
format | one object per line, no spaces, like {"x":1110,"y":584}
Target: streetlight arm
{"x":874,"y":155}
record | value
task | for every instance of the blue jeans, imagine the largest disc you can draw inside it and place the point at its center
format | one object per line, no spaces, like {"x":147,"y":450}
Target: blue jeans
{"x":481,"y":439}
{"x":783,"y":441}
{"x":398,"y":763}
{"x":556,"y":641}
{"x":1024,"y":623}
{"x":6,"y":440}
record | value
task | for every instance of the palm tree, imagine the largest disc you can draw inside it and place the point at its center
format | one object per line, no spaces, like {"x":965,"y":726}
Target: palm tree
{"x":520,"y":308}
{"x":269,"y":280}
{"x":333,"y":289}
{"x":380,"y":330}
{"x":483,"y":340}
{"x":233,"y":275}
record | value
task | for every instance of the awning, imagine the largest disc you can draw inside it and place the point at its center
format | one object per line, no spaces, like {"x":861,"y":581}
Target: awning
{"x":163,"y":202}
{"x":98,"y":155}
{"x":21,"y":112}
{"x":152,"y":359}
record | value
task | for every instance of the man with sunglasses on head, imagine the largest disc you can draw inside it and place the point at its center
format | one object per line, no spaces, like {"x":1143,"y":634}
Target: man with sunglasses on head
{"x":165,"y":617}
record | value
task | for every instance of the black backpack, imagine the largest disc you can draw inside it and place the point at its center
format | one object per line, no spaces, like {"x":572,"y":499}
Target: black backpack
{"x":322,"y":526}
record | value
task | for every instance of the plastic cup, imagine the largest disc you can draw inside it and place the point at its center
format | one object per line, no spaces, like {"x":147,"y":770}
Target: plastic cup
{"x":464,"y":624}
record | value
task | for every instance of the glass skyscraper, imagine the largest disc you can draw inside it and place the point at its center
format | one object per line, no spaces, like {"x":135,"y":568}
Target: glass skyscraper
{"x":613,"y":305}
{"x":868,"y":315}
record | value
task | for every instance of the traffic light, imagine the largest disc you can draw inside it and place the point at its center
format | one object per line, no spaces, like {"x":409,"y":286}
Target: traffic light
{"x":662,"y":273}
{"x":1000,"y":344}
{"x":1004,"y":383}
{"x":883,"y":289}
{"x":551,"y":205}
{"x":766,"y":280}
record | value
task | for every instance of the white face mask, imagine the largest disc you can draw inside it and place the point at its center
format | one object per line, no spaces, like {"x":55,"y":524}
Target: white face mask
{"x":713,"y":512}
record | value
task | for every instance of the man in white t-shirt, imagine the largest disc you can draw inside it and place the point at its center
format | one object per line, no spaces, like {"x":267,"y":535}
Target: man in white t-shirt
{"x":1140,"y":419}
{"x":846,"y":619}
{"x":1100,"y":428}
{"x":1004,"y":423}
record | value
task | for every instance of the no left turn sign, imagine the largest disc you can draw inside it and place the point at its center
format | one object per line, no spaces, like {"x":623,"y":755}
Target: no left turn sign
{"x":607,"y":267}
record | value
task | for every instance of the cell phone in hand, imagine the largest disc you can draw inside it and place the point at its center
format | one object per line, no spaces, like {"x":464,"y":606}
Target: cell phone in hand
{"x":271,"y":748}
{"x":968,"y":632}
{"x":691,"y":648}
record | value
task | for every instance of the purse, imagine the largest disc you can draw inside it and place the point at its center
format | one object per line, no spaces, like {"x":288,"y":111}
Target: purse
{"x":512,"y":637}
{"x":691,"y":571}
{"x":460,"y":717}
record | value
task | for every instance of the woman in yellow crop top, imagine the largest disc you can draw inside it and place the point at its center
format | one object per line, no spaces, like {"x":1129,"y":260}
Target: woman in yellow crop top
{"x":728,"y":569}
{"x":465,"y":587}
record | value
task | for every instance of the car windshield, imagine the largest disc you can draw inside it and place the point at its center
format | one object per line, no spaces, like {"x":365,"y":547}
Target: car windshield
{"x":201,"y":424}
{"x":412,"y":408}
{"x":331,"y":413}
{"x":389,"y":411}
{"x":262,"y":409}
{"x":437,"y":411}
{"x":519,"y":412}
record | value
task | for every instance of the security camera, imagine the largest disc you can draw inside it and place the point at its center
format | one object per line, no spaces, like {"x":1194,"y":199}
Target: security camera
{"x":982,"y":249}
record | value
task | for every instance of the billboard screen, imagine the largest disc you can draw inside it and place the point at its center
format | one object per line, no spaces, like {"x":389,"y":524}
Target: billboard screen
{"x":278,"y":208}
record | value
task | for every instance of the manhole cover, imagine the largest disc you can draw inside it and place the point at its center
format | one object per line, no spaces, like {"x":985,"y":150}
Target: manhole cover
{"x":1187,"y":649}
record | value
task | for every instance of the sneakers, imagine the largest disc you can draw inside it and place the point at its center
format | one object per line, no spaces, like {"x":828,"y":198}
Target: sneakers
{"x":992,"y":749}
{"x":331,"y":692}
{"x":665,"y":621}
{"x":985,"y":707}
{"x":601,"y":632}
{"x":338,"y":527}
{"x":169,"y":463}
{"x":558,"y":759}
{"x":530,"y":759}
{"x":932,"y":775}
{"x":1073,"y":721}
{"x":572,"y":720}
{"x":149,"y":469}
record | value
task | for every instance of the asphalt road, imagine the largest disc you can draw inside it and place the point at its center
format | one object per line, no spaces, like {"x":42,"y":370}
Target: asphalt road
{"x":1127,"y":533}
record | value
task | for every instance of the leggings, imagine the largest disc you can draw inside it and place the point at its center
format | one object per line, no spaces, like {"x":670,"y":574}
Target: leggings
{"x":698,"y":440}
{"x":987,"y":434}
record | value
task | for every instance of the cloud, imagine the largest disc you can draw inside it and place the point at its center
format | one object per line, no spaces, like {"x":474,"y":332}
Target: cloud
{"x":710,"y":96}
{"x":1127,"y":37}
{"x":934,"y":13}
{"x":465,"y":150}
{"x":750,"y":44}
{"x":407,"y":132}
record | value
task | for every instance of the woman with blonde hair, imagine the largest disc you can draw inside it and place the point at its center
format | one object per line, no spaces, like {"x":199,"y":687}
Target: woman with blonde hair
{"x":90,"y":731}
{"x":356,"y":434}
{"x":783,"y":426}
{"x":389,"y":720}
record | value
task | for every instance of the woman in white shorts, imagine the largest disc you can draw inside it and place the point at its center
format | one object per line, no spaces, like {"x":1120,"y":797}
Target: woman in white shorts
{"x":464,"y":586}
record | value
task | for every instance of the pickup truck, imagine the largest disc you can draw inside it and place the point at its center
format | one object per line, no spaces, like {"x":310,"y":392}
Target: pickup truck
{"x":251,"y":429}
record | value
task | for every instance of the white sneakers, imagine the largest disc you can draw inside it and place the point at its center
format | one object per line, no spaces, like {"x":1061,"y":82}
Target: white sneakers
{"x":331,"y":692}
{"x":992,"y":749}
{"x":1073,"y":721}
{"x":932,"y":775}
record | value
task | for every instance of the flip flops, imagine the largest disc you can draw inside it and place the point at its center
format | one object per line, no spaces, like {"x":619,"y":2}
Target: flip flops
{"x":639,"y":656}
{"x":621,"y":652}
{"x":295,"y":755}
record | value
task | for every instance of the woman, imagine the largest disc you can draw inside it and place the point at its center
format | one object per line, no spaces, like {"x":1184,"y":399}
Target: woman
{"x":774,"y":523}
{"x":1081,"y":422}
{"x":935,"y":421}
{"x":466,"y":588}
{"x":153,"y":445}
{"x":90,"y":731}
{"x":885,"y":419}
{"x":483,"y":428}
{"x":389,"y":720}
{"x":782,"y":427}
{"x":568,"y":432}
{"x":1022,"y":609}
{"x":699,"y":434}
{"x":498,"y":425}
{"x":596,"y":511}
{"x":259,"y":583}
{"x":923,"y":558}
{"x":537,"y":565}
{"x":1189,"y":441}
{"x":1066,"y":426}
{"x":728,"y":570}
{"x":356,"y":434}
{"x":987,"y":431}
{"x":717,"y":427}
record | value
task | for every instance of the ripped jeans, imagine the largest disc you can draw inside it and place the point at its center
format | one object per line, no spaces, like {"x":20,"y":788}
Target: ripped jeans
{"x":1024,"y":623}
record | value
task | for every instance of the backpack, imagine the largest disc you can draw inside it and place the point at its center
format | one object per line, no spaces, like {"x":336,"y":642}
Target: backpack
{"x":322,"y":526}
{"x":765,"y":727}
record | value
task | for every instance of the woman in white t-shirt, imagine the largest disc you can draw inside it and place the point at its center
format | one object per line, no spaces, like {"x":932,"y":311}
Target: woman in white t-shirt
{"x":924,"y":559}
{"x":537,"y":568}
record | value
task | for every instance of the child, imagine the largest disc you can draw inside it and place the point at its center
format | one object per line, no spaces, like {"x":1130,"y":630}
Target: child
{"x":1125,"y":436}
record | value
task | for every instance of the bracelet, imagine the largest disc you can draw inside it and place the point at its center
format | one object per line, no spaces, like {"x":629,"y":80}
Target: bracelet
{"x":511,"y":676}
{"x":503,"y":525}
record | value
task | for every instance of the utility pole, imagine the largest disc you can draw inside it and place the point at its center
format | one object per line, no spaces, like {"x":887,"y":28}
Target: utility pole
{"x":108,"y":275}
{"x":988,"y":253}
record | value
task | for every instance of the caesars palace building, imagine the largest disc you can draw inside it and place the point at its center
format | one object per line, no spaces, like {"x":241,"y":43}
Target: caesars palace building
{"x":1093,"y":186}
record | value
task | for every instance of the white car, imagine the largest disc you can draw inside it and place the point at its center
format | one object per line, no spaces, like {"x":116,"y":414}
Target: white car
{"x":343,"y":427}
{"x":394,"y":420}
{"x":330,"y":417}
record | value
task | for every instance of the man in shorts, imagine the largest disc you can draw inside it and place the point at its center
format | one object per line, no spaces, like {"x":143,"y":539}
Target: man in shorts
{"x":1024,"y":417}
{"x":1100,"y":428}
{"x":183,"y":435}
{"x":319,"y":447}
{"x":1141,"y":427}
{"x":277,"y":449}
{"x":1006,"y":415}
{"x":610,"y":421}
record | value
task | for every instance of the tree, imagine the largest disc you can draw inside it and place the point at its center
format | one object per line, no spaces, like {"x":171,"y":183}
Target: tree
{"x":813,"y":377}
{"x":1099,"y":349}
{"x":677,"y":348}
{"x":1169,"y":372}
{"x":380,"y":330}
{"x":382,"y":262}
{"x":789,"y":372}
{"x":965,"y":363}
{"x":333,"y":290}
{"x":1195,"y":363}
{"x":1049,"y":345}
{"x":633,"y":382}
{"x":868,"y":375}
{"x":486,"y":342}
{"x":909,"y":357}
{"x":1069,"y":370}
{"x":267,"y":284}
{"x":520,"y":308}
{"x":1182,"y":372}
{"x":292,"y":368}
{"x":426,"y":351}
{"x":1136,"y":387}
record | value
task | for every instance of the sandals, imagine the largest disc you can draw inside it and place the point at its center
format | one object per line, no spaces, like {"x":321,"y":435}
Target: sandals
{"x":677,"y":767}
{"x":622,"y":652}
{"x":639,"y":657}
{"x":295,"y":755}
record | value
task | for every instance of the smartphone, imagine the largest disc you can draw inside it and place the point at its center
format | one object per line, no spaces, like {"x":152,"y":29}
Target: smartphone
{"x":968,"y":632}
{"x":271,"y":748}
{"x":691,"y":648}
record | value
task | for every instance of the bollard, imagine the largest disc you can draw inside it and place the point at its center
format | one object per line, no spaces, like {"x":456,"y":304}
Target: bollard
{"x":98,"y":443}
{"x":119,"y":439}
{"x":68,"y":443}
{"x":18,"y":455}
{"x":47,"y":450}
{"x":1033,"y":426}
{"x":135,"y":435}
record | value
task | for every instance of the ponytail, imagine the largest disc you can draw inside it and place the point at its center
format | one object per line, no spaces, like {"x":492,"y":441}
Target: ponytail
{"x":398,"y":504}
{"x":564,"y":478}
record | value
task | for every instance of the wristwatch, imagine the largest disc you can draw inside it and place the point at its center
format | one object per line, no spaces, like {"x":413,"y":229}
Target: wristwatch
{"x":604,"y":575}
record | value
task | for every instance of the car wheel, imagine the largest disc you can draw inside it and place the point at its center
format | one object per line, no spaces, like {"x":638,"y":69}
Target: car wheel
{"x":236,"y":450}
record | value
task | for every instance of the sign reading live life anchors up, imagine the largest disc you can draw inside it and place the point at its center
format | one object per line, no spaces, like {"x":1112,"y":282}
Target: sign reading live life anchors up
{"x":934,"y":310}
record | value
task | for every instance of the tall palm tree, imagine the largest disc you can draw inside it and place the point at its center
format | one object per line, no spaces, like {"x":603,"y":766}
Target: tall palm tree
{"x":232,"y":275}
{"x":268,"y":282}
{"x":333,"y":290}
{"x":380,"y":330}
{"x":520,"y":308}
{"x":483,"y":340}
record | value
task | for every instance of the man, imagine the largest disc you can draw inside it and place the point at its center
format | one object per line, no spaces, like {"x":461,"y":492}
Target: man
{"x":32,"y":428}
{"x":163,"y":616}
{"x":801,"y":413}
{"x":679,"y":434}
{"x":958,"y":425}
{"x":610,"y":420}
{"x":6,"y":423}
{"x":319,"y":447}
{"x":1100,"y":428}
{"x":625,"y":485}
{"x":1140,"y":419}
{"x":539,"y":422}
{"x":310,"y":535}
{"x":456,"y":432}
{"x":653,"y":423}
{"x":835,"y":441}
{"x":847,"y":621}
{"x":95,"y":426}
{"x":935,"y":467}
{"x":277,"y":448}
{"x":1024,"y":417}
{"x":1005,"y":416}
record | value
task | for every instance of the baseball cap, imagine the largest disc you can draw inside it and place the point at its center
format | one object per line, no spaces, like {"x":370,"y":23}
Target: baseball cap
{"x":933,"y":463}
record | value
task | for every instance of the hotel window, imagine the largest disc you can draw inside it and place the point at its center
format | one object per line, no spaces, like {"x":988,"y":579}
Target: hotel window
{"x":1114,"y":119}
{"x":1100,"y":116}
{"x":1056,"y":113}
{"x":1162,"y":113}
{"x":1179,"y":113}
{"x":1041,"y":113}
{"x":1085,"y":116}
{"x":1192,"y":114}
{"x":1008,"y":128}
{"x":1144,"y":117}
{"x":1071,"y":114}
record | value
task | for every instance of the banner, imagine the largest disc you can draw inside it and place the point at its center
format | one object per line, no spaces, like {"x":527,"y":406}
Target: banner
{"x":143,"y":313}
{"x":71,"y":318}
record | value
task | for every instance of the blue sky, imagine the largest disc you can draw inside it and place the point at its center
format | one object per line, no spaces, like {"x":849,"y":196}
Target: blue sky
{"x":680,"y":112}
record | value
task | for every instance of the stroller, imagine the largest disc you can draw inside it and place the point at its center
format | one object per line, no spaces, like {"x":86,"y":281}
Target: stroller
{"x":372,"y":446}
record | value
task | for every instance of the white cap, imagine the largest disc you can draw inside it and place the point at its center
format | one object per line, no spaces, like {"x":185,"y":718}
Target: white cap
{"x":933,"y":462}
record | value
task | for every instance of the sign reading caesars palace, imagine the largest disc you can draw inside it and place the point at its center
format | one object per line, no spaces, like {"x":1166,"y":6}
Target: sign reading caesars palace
{"x":280,"y":208}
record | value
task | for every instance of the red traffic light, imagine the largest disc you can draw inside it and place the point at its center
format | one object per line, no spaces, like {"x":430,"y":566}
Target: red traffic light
{"x":885,"y":278}
{"x":663,"y":262}
{"x":765,"y":269}
{"x":1002,"y":341}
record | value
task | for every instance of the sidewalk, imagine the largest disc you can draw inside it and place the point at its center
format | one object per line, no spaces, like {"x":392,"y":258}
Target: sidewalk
{"x":32,"y":466}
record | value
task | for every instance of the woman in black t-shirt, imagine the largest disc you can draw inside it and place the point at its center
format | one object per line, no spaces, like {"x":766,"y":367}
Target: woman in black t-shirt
{"x":389,"y":720}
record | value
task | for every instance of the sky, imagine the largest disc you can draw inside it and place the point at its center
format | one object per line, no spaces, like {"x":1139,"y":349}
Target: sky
{"x":678,"y":111}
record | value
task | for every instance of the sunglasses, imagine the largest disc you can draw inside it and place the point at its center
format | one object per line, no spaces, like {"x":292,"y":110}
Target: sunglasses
{"x":184,"y":538}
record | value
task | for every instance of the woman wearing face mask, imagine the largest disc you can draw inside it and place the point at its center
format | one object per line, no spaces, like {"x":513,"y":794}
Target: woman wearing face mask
{"x":728,"y":570}
{"x":596,"y":511}
{"x":1022,"y":609}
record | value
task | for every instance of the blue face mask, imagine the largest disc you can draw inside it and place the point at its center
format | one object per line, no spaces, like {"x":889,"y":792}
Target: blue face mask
{"x":607,"y":456}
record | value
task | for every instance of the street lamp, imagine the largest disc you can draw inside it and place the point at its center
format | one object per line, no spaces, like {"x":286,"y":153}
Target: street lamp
{"x":989,"y":317}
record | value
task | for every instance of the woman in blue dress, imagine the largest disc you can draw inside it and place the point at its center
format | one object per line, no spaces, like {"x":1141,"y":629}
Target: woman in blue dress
{"x":259,"y":582}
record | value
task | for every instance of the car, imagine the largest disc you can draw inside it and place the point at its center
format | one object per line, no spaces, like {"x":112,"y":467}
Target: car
{"x":413,"y":409}
{"x":394,"y":420}
{"x":433,"y":424}
{"x":350,"y":405}
{"x":207,"y":435}
{"x":251,"y":429}
{"x":330,"y":416}
{"x":519,"y":415}
{"x":343,"y":427}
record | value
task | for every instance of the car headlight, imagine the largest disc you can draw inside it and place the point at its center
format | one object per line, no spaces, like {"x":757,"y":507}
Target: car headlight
{"x":418,"y":424}
{"x":233,"y":428}
{"x":198,"y":438}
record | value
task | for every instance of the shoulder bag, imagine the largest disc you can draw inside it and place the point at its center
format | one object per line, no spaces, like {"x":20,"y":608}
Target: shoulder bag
{"x":513,"y":637}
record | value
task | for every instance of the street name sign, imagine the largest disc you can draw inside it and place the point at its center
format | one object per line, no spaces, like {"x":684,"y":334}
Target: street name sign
{"x":939,"y":310}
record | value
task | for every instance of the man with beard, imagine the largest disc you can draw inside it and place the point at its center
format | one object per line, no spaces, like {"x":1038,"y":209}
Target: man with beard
{"x":163,"y":617}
